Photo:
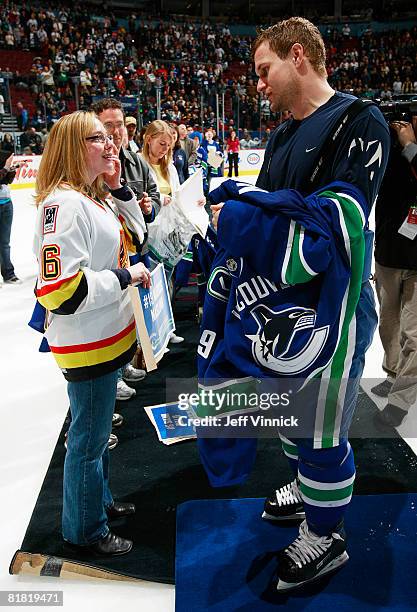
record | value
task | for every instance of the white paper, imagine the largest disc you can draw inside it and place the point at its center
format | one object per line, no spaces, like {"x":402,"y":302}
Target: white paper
{"x":214,"y":159}
{"x":409,"y":230}
{"x":187,"y":197}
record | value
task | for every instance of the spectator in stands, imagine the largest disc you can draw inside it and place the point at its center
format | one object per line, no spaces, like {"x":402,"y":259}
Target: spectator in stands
{"x":53,"y":118}
{"x":7,"y":144}
{"x":7,"y":175}
{"x":346,"y":30}
{"x":38,"y":120}
{"x":31,"y":139}
{"x":248,"y":141}
{"x":47,"y":78}
{"x":90,"y":53}
{"x":22,"y":116}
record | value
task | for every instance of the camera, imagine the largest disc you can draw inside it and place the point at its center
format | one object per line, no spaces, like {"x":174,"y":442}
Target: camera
{"x":398,"y":109}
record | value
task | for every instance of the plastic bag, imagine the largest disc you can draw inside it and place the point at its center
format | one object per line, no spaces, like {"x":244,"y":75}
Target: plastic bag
{"x":170,"y":234}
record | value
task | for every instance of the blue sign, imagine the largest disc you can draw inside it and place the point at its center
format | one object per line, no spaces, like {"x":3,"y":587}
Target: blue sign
{"x":171,"y":422}
{"x":157,"y":311}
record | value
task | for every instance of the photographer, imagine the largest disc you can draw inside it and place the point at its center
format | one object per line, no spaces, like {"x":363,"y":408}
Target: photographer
{"x":396,"y":274}
{"x":7,"y":175}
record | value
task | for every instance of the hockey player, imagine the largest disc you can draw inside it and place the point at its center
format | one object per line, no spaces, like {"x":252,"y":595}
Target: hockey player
{"x":81,"y":246}
{"x":283,"y":239}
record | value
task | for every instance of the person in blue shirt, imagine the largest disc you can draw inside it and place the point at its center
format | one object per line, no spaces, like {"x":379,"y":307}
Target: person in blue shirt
{"x":290,"y":64}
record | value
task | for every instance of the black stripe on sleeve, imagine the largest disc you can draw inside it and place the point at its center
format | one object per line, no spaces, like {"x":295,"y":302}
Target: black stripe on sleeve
{"x":70,"y":306}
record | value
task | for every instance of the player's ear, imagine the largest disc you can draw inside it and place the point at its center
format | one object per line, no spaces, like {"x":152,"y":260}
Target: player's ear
{"x":297,"y":53}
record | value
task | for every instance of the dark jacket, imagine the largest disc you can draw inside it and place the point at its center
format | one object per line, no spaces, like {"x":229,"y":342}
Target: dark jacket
{"x":398,"y":192}
{"x":179,"y":158}
{"x":135,"y":171}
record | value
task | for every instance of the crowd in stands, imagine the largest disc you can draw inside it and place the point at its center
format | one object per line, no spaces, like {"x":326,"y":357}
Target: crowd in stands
{"x":190,"y":62}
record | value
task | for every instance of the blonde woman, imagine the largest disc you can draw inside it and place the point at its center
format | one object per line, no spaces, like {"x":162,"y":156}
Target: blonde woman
{"x":157,"y":151}
{"x":83,"y":275}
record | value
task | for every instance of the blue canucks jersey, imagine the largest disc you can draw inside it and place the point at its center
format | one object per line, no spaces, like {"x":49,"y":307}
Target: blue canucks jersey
{"x":290,"y":298}
{"x":287,"y":314}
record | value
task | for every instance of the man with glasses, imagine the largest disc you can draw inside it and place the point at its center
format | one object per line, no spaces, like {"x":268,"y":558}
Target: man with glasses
{"x":135,"y":174}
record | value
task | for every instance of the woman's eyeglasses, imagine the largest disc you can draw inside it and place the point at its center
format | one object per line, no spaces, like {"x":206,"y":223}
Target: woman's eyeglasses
{"x":100,"y":138}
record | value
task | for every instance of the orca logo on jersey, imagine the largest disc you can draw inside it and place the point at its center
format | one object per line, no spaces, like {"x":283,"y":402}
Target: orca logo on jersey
{"x":279,"y":345}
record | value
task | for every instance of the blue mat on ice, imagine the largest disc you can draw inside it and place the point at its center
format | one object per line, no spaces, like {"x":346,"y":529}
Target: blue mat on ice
{"x":225,"y":558}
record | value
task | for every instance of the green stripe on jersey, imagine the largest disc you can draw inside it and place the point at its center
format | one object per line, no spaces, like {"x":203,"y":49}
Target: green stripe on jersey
{"x":356,"y":252}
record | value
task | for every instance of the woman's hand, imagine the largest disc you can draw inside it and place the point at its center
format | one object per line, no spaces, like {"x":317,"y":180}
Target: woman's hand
{"x":112,"y":180}
{"x":145,"y":204}
{"x":201,"y":202}
{"x":216,"y":210}
{"x":140,"y":274}
{"x":167,"y":200}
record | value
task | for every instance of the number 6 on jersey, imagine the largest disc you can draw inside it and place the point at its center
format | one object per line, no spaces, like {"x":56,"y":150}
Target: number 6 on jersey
{"x":51,"y":263}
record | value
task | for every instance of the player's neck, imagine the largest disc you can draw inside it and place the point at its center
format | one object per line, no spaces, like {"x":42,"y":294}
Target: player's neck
{"x":313,"y":95}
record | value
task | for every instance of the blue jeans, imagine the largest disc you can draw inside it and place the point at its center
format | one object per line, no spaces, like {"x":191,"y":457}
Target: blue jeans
{"x":6,"y":218}
{"x":86,"y":468}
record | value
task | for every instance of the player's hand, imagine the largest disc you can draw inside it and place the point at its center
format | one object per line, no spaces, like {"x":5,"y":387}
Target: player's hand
{"x":405,"y":132}
{"x":216,"y":210}
{"x":145,"y":204}
{"x":166,"y":200}
{"x":140,"y":274}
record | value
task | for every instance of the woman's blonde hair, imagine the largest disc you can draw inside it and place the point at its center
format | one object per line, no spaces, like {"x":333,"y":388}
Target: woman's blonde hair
{"x":155,"y":129}
{"x":64,"y":158}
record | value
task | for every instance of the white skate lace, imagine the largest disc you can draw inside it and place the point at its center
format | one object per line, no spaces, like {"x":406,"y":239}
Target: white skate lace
{"x":289,"y":494}
{"x":309,"y":546}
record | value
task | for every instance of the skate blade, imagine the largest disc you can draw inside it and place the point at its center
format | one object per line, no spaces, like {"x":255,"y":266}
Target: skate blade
{"x":334,"y":565}
{"x":298,"y":516}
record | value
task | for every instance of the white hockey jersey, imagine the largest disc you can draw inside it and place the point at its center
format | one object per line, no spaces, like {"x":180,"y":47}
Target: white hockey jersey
{"x":78,"y":242}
